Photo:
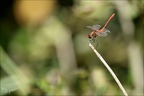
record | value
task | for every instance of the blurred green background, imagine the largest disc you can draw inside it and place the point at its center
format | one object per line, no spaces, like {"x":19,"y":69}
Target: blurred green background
{"x":44,"y":47}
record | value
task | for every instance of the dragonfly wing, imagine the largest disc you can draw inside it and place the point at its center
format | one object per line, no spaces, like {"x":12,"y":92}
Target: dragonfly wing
{"x":97,"y":27}
{"x":106,"y":30}
{"x":94,"y":27}
{"x":103,"y":34}
{"x":91,"y":27}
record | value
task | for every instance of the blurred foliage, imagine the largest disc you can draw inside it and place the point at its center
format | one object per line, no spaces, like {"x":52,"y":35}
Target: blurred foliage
{"x":44,"y":47}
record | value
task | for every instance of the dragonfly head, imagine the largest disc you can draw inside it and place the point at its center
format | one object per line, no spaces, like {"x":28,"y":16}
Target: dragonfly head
{"x":89,"y":36}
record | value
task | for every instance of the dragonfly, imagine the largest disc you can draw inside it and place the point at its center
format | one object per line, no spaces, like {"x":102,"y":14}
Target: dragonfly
{"x":97,"y":31}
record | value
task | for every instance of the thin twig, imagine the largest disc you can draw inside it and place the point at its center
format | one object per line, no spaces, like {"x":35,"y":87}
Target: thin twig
{"x":109,"y":69}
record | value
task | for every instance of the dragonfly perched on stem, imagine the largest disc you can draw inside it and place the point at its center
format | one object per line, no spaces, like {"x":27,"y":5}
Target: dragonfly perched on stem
{"x":97,"y":31}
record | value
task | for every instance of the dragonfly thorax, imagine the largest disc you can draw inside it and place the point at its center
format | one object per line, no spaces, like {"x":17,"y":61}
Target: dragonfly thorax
{"x":92,"y":35}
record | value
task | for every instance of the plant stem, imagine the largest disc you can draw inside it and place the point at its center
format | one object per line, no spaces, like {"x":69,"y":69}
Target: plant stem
{"x":109,"y":69}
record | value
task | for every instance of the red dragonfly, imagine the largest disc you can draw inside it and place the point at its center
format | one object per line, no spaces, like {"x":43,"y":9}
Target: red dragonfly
{"x":97,"y":31}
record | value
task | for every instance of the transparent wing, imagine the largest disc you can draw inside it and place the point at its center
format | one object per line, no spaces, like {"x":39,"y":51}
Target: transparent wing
{"x":97,"y":26}
{"x":91,"y":27}
{"x":103,"y":34}
{"x":106,"y":30}
{"x":94,"y":27}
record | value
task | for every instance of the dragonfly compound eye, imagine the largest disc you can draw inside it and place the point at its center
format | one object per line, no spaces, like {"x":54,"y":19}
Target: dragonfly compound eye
{"x":89,"y":36}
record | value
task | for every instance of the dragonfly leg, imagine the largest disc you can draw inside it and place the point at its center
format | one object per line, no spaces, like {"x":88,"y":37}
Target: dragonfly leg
{"x":92,"y":40}
{"x":96,"y":42}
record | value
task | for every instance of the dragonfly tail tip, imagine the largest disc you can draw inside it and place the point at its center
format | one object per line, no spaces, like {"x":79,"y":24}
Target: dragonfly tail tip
{"x":113,"y":14}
